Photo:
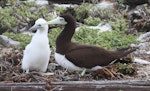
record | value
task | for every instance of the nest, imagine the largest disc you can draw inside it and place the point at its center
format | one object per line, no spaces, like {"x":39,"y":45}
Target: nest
{"x":11,"y":70}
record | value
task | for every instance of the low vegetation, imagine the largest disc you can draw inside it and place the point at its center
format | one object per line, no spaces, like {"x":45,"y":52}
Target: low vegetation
{"x":107,"y":40}
{"x":20,"y":15}
{"x":91,"y":21}
{"x":126,"y":69}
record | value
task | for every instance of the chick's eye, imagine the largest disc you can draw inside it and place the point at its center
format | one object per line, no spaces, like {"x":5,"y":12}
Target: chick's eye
{"x":39,"y":25}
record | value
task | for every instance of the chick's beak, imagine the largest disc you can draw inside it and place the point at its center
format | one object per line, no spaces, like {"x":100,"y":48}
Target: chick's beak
{"x":33,"y":28}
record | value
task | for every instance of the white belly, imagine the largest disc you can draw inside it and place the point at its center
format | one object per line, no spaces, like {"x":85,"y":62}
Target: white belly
{"x":36,"y":58}
{"x":64,"y":62}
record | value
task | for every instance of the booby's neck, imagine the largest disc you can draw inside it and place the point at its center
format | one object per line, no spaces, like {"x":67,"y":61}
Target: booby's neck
{"x":41,"y":35}
{"x":42,"y":31}
{"x":41,"y":38}
{"x":64,"y":39}
{"x":66,"y":34}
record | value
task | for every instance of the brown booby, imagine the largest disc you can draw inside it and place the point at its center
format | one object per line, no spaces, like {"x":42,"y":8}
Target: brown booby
{"x":77,"y":57}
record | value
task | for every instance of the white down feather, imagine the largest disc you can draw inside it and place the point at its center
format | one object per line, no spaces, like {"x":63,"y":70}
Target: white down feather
{"x":37,"y":52}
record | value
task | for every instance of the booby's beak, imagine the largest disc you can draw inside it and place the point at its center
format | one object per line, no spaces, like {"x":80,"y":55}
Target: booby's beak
{"x":58,"y":20}
{"x":33,"y":28}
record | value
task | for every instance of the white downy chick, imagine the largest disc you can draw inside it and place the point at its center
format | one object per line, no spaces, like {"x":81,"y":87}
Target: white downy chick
{"x":37,"y":52}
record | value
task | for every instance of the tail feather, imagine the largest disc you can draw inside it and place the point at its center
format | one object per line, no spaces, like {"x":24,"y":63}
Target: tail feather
{"x":124,"y":52}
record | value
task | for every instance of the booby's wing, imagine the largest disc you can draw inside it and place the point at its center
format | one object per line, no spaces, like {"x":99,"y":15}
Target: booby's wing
{"x":88,"y":56}
{"x":29,"y":52}
{"x":27,"y":49}
{"x":26,"y":57}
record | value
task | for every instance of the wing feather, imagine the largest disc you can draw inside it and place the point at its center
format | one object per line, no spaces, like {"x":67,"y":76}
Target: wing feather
{"x":88,"y":56}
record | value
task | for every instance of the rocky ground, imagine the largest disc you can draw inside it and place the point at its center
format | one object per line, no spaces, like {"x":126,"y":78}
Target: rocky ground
{"x":10,"y":59}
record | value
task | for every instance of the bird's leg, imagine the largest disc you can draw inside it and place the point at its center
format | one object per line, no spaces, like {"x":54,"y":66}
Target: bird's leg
{"x":83,"y":72}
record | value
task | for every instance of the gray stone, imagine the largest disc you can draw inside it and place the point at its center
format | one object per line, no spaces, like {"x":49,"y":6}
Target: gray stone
{"x":7,"y":42}
{"x":144,"y":37}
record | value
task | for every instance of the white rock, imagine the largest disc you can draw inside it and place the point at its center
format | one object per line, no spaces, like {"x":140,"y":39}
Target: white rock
{"x":140,"y":61}
{"x":144,"y":37}
{"x":101,"y":27}
{"x":144,"y":45}
{"x":148,"y":52}
{"x":103,"y":5}
{"x":39,"y":2}
{"x":104,"y":27}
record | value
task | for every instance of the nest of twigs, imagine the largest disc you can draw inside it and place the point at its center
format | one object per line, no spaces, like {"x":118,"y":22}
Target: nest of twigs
{"x":10,"y":70}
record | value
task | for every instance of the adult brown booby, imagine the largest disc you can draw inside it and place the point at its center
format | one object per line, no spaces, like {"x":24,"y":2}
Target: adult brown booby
{"x":77,"y":57}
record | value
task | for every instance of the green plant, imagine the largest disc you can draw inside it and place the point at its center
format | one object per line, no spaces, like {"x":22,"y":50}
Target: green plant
{"x":53,"y":35}
{"x":121,"y":1}
{"x":59,"y":10}
{"x":112,"y":16}
{"x":107,"y":40}
{"x":20,"y":15}
{"x":82,"y":11}
{"x":86,"y":36}
{"x":145,"y":5}
{"x":12,"y":1}
{"x":119,"y":24}
{"x":104,"y":14}
{"x":126,"y":69}
{"x":5,"y":3}
{"x":92,"y":21}
{"x":7,"y":20}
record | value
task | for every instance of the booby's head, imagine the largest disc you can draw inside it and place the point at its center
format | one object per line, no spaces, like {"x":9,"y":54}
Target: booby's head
{"x":40,"y":24}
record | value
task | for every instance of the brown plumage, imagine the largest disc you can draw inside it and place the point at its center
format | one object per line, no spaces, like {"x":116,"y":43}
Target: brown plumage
{"x":84,"y":56}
